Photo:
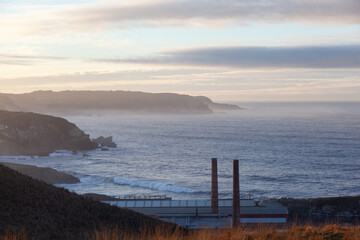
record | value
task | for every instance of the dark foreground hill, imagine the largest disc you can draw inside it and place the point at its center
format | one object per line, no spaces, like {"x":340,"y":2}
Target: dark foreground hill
{"x":95,"y":102}
{"x":25,"y":133}
{"x":344,"y":210}
{"x":48,"y":212}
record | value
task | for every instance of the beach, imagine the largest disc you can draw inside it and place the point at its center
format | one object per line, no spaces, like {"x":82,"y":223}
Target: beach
{"x":47,"y":175}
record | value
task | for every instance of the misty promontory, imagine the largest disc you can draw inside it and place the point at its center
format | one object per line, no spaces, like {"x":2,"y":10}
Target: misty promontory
{"x":92,"y":102}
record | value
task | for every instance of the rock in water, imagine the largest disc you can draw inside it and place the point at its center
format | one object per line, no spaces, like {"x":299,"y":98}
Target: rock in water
{"x":105,"y":142}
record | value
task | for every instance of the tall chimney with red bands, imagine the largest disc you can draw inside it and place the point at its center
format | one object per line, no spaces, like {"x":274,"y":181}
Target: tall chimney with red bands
{"x":214,"y":187}
{"x":236,"y":194}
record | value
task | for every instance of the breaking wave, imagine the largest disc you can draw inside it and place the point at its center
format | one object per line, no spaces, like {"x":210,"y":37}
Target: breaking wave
{"x":154,"y":185}
{"x":61,"y":153}
{"x":93,"y":180}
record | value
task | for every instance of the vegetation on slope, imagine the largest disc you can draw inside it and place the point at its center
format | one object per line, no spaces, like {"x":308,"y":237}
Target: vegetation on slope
{"x":25,"y":133}
{"x":306,"y":232}
{"x":322,"y":210}
{"x":43,"y":211}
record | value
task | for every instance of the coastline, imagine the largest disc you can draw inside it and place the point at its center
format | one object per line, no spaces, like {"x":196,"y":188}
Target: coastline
{"x":48,"y":175}
{"x":344,"y":209}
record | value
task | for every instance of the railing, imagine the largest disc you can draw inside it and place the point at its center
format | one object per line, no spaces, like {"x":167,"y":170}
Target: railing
{"x":143,"y":197}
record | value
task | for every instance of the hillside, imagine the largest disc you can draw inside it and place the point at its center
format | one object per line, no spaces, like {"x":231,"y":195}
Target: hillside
{"x":323,"y":210}
{"x":24,"y":133}
{"x":48,"y":212}
{"x":94,"y":102}
{"x":6,"y":103}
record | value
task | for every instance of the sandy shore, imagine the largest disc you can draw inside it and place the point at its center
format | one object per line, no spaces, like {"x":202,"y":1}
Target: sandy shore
{"x":47,"y":175}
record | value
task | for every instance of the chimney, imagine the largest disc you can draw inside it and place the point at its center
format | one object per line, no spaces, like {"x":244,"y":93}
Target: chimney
{"x":236,"y":195}
{"x":214,"y":187}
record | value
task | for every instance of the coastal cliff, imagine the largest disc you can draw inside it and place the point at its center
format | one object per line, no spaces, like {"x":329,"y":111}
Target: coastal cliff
{"x":95,"y":102}
{"x":217,"y":106}
{"x":24,"y":133}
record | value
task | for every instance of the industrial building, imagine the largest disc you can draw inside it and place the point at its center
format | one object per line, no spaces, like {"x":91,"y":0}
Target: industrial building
{"x":213,"y":213}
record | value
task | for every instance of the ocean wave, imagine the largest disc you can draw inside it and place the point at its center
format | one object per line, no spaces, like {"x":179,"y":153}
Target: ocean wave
{"x":94,"y":180}
{"x":23,"y":157}
{"x":61,"y":153}
{"x":153,"y":185}
{"x":19,"y":157}
{"x":89,"y":179}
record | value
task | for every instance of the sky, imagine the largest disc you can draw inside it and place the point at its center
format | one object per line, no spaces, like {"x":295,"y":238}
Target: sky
{"x":230,"y":51}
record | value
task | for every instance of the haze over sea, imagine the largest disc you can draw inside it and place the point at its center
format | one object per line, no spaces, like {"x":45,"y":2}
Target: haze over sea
{"x":298,"y":150}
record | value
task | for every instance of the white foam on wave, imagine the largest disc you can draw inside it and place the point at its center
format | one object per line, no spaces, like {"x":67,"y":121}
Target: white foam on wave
{"x":19,"y":157}
{"x":93,"y":180}
{"x":153,"y":185}
{"x":61,"y":153}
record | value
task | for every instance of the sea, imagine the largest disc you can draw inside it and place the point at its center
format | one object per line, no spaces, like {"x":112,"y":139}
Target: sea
{"x":291,"y":150}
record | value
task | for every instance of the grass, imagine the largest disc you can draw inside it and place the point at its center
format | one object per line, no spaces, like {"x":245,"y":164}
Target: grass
{"x":306,"y":232}
{"x":327,"y":232}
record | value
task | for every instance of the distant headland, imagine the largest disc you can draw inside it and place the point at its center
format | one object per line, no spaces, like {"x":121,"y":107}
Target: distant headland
{"x":102,"y":102}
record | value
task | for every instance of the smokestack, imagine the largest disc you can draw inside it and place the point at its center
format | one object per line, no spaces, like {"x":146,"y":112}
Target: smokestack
{"x":214,"y":187}
{"x":236,"y":194}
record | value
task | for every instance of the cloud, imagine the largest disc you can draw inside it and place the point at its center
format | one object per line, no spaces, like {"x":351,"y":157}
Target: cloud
{"x":346,"y":56}
{"x":212,"y":13}
{"x":7,"y":59}
{"x":334,"y":11}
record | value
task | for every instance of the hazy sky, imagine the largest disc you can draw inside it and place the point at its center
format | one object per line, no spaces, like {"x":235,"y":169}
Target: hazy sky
{"x":244,"y":50}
